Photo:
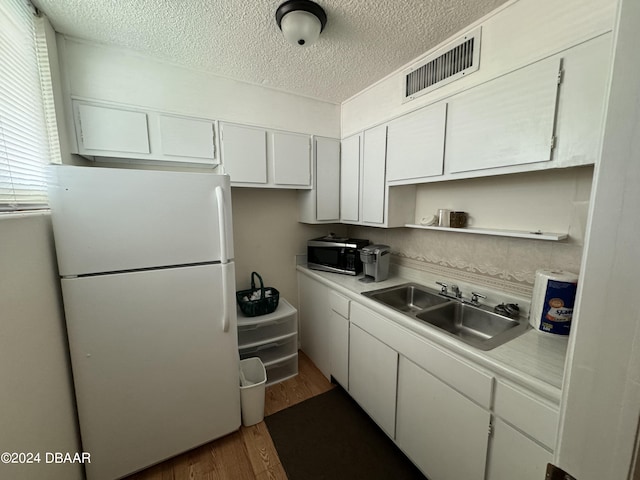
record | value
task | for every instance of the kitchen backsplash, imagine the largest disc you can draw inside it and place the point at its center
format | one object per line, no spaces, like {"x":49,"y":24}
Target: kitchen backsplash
{"x":501,"y":263}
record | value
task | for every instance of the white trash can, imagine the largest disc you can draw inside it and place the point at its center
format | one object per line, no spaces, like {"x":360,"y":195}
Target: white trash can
{"x":253,"y":378}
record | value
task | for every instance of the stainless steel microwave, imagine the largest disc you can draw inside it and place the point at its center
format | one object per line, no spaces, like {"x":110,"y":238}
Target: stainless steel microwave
{"x":335,"y":254}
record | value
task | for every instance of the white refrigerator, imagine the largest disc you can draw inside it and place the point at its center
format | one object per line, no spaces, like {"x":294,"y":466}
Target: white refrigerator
{"x":147,"y":274}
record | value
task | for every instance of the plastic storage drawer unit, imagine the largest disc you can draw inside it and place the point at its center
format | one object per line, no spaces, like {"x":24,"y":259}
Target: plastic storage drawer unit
{"x":274,"y":339}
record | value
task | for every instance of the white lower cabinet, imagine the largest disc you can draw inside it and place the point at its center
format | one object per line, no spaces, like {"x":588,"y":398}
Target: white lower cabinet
{"x":524,"y":434}
{"x":514,"y":455}
{"x":339,"y":334}
{"x":314,"y":314}
{"x":339,"y":337}
{"x":373,"y":370}
{"x":454,"y":419}
{"x":441,"y":431}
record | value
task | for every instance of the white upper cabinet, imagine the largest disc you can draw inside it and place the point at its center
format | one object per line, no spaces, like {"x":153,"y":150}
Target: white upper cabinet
{"x":108,"y":129}
{"x":262,"y":158}
{"x":506,"y":121}
{"x":186,"y":137}
{"x":244,"y":153}
{"x":350,"y":179}
{"x":291,"y":159}
{"x":114,"y":133}
{"x":415,"y":144}
{"x":373,"y":174}
{"x":322,"y":203}
{"x":327,"y":179}
{"x":365,"y":198}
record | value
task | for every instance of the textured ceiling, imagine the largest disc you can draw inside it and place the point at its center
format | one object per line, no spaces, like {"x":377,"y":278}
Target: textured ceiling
{"x":362,"y":42}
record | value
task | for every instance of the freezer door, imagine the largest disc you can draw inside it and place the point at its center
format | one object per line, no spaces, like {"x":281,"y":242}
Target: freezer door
{"x":155,"y":373}
{"x":109,"y":220}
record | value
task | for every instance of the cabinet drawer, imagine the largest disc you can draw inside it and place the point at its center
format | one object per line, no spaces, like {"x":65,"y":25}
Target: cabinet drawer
{"x":272,"y":350}
{"x":251,"y":334}
{"x":523,"y":410}
{"x":282,"y":369}
{"x":339,"y":304}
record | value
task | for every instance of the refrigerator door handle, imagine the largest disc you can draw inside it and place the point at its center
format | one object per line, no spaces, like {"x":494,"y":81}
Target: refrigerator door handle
{"x":222,"y":224}
{"x":223,"y":255}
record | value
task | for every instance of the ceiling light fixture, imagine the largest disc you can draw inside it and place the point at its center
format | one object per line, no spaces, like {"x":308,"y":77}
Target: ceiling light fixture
{"x":301,"y":21}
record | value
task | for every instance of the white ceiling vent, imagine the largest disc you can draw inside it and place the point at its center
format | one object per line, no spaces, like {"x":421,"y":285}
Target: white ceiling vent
{"x":454,"y":61}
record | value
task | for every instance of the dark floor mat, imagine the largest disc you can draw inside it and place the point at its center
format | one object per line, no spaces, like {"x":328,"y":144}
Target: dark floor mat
{"x":329,"y":437}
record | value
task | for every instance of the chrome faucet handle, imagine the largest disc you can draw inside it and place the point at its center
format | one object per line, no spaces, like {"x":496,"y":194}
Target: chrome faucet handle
{"x":475,"y":296}
{"x":444,"y":286}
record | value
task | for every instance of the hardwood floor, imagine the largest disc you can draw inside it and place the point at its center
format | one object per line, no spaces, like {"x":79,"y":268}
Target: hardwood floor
{"x":248,"y":453}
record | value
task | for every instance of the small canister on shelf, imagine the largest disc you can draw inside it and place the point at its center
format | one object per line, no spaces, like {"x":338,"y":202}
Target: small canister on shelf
{"x":458,"y":219}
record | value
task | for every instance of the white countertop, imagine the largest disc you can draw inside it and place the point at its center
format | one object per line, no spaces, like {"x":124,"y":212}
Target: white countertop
{"x":533,"y":360}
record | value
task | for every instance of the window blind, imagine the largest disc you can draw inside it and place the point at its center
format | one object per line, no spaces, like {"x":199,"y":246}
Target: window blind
{"x":28,"y":133}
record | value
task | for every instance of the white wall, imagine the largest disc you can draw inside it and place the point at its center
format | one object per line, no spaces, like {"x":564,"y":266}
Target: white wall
{"x":99,"y":72}
{"x":36,"y":397}
{"x":601,"y":392}
{"x":267,"y":236}
{"x":551,"y":201}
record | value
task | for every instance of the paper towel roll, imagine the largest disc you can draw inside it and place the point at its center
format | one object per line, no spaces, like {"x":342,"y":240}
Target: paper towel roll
{"x":554,"y":293}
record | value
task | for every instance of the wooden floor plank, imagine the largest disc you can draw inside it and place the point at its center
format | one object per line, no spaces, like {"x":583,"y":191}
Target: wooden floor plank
{"x":231,"y":460}
{"x":260,"y":449}
{"x":273,"y":473}
{"x":248,"y":454}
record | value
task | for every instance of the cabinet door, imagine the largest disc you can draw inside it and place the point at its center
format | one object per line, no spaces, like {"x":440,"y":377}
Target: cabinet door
{"x":339,"y":335}
{"x":373,"y":371}
{"x":373,"y":174}
{"x":350,"y":180}
{"x":291,"y":159}
{"x":441,"y":431}
{"x":327,"y":179}
{"x":107,"y":129}
{"x":314,"y":314}
{"x":186,"y":137}
{"x":514,"y":455}
{"x":415,"y":144}
{"x":244,"y":153}
{"x":507,"y":121}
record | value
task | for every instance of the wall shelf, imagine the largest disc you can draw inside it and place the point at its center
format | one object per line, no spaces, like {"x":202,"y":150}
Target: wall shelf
{"x":554,"y":237}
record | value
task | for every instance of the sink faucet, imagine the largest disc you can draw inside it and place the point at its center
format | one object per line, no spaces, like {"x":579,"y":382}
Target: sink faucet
{"x":474,"y":298}
{"x":457,"y":294}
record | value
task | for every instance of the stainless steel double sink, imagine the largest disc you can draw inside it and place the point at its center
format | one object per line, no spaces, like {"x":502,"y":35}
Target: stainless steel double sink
{"x":474,"y":325}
